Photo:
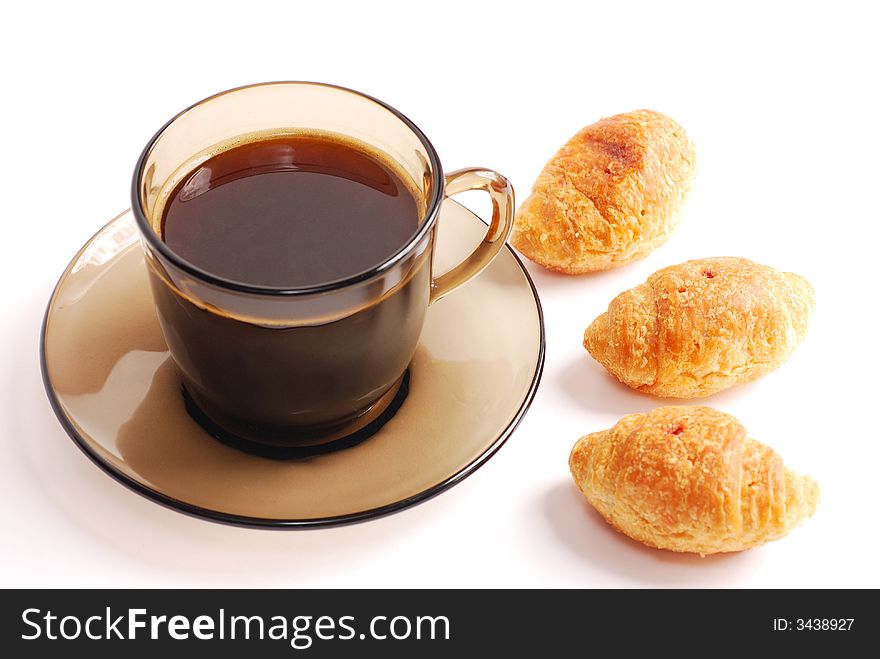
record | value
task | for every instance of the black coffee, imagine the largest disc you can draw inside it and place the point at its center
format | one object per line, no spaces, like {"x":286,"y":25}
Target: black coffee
{"x":287,"y":212}
{"x":290,"y":211}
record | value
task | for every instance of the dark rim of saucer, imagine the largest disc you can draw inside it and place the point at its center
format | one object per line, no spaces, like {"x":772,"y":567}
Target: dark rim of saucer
{"x":432,"y":208}
{"x":272,"y":523}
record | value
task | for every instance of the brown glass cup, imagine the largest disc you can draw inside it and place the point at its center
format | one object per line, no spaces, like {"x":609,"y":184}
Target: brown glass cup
{"x":299,"y":366}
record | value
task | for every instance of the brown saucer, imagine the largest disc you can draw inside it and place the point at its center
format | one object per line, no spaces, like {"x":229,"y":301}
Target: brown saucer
{"x":110,"y":379}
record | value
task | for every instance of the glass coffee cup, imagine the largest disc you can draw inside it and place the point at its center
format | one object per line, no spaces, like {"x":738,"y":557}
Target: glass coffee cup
{"x":304,"y":365}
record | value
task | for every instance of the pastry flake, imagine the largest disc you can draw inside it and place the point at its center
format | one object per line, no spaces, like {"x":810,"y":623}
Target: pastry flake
{"x":689,"y":479}
{"x":609,"y":196}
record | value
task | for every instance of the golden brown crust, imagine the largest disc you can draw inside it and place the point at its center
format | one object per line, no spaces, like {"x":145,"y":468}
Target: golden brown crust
{"x":689,"y":479}
{"x":609,"y":196}
{"x":696,"y":328}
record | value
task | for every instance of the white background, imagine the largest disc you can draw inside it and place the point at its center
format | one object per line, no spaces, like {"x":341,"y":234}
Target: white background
{"x":781,"y":102}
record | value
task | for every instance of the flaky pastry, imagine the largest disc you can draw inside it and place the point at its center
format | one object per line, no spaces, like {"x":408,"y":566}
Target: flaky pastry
{"x":702,"y":326}
{"x":609,"y":196}
{"x":689,"y":479}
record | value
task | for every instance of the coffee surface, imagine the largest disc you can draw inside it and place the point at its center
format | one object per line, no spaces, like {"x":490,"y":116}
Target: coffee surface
{"x":290,"y":211}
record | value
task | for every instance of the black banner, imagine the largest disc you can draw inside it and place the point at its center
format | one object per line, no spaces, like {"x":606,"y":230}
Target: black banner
{"x":429,"y":623}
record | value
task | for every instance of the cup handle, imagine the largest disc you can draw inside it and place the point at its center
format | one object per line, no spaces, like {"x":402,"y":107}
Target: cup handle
{"x":501,"y":193}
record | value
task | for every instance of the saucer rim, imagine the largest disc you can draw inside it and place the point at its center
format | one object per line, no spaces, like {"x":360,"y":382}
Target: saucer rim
{"x":248,"y":521}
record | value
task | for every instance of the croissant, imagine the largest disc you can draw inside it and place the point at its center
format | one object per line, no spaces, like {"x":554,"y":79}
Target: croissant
{"x":609,"y":196}
{"x":702,"y":326}
{"x":688,"y":479}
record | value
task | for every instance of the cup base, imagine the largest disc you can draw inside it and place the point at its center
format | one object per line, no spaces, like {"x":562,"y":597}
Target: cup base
{"x":336,"y":438}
